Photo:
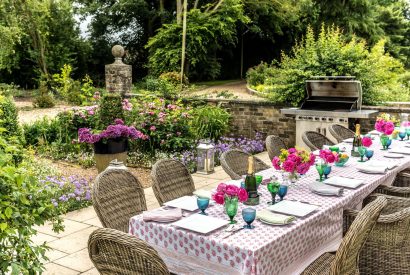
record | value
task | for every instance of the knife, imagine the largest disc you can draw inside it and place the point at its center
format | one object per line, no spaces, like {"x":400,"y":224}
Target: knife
{"x":232,"y":232}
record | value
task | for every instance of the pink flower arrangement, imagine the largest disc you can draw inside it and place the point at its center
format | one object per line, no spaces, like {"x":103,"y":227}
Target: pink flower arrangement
{"x":229,"y":190}
{"x":294,"y":161}
{"x":367,"y":142}
{"x":328,"y":156}
{"x":384,"y":126}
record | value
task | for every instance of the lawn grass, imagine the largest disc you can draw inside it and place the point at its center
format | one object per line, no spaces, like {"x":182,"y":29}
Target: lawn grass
{"x":215,"y":82}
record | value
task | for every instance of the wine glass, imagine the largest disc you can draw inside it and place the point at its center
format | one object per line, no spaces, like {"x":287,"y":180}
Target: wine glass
{"x":327,"y":170}
{"x":389,"y":141}
{"x":320,"y":167}
{"x":408,"y":133}
{"x":248,"y":215}
{"x":362,"y":152}
{"x":203,"y":204}
{"x":402,"y":135}
{"x":283,"y":190}
{"x":259,"y":179}
{"x":369,"y":154}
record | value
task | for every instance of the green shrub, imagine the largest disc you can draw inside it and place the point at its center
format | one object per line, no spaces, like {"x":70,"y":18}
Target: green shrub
{"x":161,"y":87}
{"x":9,"y":117}
{"x":331,"y":55}
{"x":9,"y":89}
{"x":258,"y":74}
{"x":44,"y":98}
{"x":210,"y":122}
{"x":24,"y":203}
{"x":110,"y":109}
{"x":174,"y":78}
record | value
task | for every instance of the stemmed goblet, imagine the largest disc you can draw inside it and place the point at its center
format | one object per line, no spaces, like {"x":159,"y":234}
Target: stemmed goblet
{"x":327,"y":170}
{"x":369,"y":154}
{"x":203,"y":204}
{"x":248,"y":215}
{"x":283,"y":190}
{"x":402,"y":135}
{"x":362,"y":152}
{"x":320,"y":167}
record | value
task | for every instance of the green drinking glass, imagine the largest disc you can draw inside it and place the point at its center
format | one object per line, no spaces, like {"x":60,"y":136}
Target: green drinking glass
{"x":383,"y":140}
{"x":320,"y":167}
{"x":362,"y":152}
{"x":231,"y":208}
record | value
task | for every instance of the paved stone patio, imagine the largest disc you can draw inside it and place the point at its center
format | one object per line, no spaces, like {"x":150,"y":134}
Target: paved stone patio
{"x":69,"y":255}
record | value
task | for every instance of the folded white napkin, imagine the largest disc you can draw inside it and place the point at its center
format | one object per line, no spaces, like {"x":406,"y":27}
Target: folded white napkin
{"x":372,"y":169}
{"x":273,"y":218}
{"x":162,"y":215}
{"x":201,"y":193}
{"x":379,"y":163}
{"x":324,"y":189}
{"x":404,"y":151}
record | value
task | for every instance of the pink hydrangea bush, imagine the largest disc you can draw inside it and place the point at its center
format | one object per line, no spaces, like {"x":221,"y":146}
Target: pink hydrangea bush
{"x":229,"y":190}
{"x":294,"y":161}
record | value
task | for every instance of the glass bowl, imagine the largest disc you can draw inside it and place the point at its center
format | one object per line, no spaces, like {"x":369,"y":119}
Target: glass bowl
{"x":341,"y":162}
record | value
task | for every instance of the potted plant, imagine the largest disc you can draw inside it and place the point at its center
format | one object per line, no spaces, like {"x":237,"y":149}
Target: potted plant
{"x":110,"y":143}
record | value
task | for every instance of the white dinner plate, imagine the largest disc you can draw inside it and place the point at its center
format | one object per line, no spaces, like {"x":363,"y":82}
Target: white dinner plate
{"x":293,"y":208}
{"x":343,"y":182}
{"x":380,"y":163}
{"x":186,"y":203}
{"x":404,"y":151}
{"x":393,"y":156}
{"x":200,"y":223}
{"x":272,"y":223}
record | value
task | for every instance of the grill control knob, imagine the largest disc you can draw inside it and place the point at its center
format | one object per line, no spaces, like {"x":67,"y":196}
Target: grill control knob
{"x":330,"y":118}
{"x":323,"y":119}
{"x":309,"y":118}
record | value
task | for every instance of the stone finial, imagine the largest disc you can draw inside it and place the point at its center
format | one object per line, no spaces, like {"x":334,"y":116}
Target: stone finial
{"x":118,"y":52}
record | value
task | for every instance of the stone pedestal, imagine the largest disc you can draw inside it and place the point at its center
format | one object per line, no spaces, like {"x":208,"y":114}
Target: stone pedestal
{"x":118,"y":76}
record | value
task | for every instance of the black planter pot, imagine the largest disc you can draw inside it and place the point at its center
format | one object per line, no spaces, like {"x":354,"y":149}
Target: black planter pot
{"x":111,"y":146}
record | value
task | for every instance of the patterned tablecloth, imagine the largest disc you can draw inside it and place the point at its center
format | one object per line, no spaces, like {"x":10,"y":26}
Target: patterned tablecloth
{"x":266,"y":249}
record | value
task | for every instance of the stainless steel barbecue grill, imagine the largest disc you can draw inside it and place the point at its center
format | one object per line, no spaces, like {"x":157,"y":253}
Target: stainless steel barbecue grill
{"x":329,"y":100}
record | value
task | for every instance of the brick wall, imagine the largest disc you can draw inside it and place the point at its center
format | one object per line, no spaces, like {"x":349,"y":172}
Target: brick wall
{"x":249,"y":117}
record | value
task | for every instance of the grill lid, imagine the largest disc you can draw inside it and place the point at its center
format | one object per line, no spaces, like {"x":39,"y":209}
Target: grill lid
{"x":330,"y":93}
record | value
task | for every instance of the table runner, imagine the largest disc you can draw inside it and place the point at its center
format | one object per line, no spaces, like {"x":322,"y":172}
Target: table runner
{"x":266,"y":249}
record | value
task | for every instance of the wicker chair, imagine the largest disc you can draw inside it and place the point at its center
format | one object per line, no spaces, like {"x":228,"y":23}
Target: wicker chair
{"x":117,"y":196}
{"x":273,"y":145}
{"x":340,"y":132}
{"x":235,"y":163}
{"x":403,"y":192}
{"x":315,"y":140}
{"x":345,"y":261}
{"x":402,"y":179}
{"x":171,"y":180}
{"x":387,"y":248}
{"x":116,"y":252}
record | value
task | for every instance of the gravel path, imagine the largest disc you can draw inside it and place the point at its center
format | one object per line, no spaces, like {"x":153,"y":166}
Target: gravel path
{"x":236,"y":89}
{"x":29,"y":114}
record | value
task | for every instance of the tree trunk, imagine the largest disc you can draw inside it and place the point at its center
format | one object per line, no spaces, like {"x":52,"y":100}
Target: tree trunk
{"x":179,"y":11}
{"x":184,"y":39}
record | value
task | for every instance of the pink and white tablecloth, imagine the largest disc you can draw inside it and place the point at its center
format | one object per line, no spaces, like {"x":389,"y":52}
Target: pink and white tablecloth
{"x":266,"y":249}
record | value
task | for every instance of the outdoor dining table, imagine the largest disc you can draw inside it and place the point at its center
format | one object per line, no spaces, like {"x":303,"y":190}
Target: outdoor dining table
{"x":268,"y":249}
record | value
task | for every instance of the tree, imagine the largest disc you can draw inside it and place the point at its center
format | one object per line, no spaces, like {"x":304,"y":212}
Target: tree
{"x":209,"y":28}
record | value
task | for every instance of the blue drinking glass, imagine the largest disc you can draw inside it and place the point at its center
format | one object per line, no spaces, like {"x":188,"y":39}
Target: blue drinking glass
{"x":369,"y":154}
{"x":248,"y":215}
{"x":327,"y":170}
{"x":203,"y":204}
{"x":402,"y":135}
{"x":283,"y":190}
{"x":408,"y":133}
{"x":389,"y":141}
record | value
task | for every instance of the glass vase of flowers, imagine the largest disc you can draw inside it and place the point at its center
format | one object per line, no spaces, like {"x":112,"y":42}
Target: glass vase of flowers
{"x":386,"y":127}
{"x":293,"y":162}
{"x":229,"y":195}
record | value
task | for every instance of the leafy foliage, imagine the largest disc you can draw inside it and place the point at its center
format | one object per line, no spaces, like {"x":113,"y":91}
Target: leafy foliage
{"x":110,"y":109}
{"x":8,"y":118}
{"x":44,"y":99}
{"x":330,"y":54}
{"x":24,"y":203}
{"x":210,"y":122}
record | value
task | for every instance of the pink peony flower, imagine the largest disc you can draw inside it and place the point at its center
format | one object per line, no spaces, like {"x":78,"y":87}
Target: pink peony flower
{"x":231,"y":190}
{"x":218,"y":197}
{"x":152,"y":128}
{"x":292,"y":150}
{"x":242,"y":195}
{"x":221,"y":187}
{"x":330,"y":158}
{"x":276,"y":163}
{"x":312,"y":159}
{"x":289,"y":166}
{"x":294,"y":158}
{"x":389,"y":128}
{"x":367,"y":142}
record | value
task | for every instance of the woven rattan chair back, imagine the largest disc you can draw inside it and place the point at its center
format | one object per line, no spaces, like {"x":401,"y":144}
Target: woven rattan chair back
{"x":171,"y":180}
{"x":116,"y":252}
{"x":315,"y":140}
{"x":117,"y":196}
{"x":346,"y":259}
{"x":273,"y":145}
{"x":235,"y":163}
{"x":340,"y":132}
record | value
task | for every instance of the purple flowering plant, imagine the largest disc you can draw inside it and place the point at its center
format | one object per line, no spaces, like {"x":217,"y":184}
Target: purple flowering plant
{"x":69,"y":193}
{"x":117,"y":130}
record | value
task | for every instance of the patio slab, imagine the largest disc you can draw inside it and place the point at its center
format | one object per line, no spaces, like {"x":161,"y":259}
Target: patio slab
{"x":74,"y":242}
{"x":78,"y":261}
{"x":55,"y":269}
